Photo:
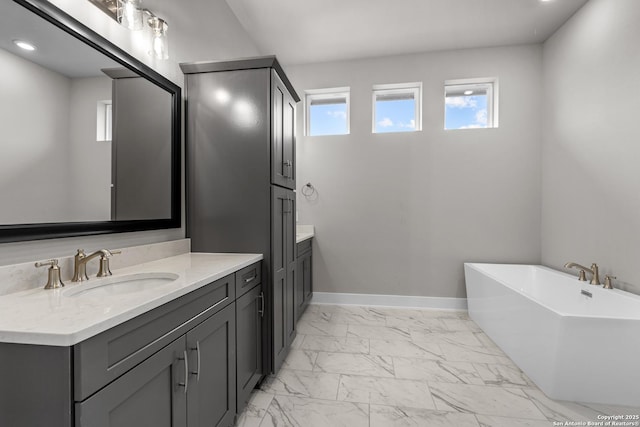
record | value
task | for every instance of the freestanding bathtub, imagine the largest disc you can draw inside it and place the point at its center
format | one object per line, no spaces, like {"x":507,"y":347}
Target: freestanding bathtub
{"x":573,"y":346}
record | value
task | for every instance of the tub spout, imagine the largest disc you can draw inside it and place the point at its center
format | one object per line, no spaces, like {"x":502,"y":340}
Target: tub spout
{"x":595,"y":274}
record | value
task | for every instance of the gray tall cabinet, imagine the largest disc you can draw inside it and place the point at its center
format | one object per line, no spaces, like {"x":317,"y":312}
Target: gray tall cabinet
{"x":240,"y":121}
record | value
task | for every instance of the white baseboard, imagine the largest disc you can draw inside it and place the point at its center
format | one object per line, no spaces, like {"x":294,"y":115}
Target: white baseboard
{"x":404,"y":301}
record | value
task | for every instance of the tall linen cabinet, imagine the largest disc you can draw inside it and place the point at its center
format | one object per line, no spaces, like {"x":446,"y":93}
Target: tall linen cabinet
{"x":240,"y":124}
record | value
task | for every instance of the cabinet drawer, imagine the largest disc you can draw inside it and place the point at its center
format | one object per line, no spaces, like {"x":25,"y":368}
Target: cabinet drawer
{"x":303,"y":247}
{"x":103,"y":358}
{"x":247,"y":278}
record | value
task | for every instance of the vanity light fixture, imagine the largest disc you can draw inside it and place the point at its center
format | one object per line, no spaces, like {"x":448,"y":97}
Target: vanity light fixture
{"x":158,"y":46}
{"x":130,"y":14}
{"x":24,"y":45}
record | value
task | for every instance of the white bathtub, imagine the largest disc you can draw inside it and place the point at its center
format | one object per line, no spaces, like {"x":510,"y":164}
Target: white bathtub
{"x":574,"y":347}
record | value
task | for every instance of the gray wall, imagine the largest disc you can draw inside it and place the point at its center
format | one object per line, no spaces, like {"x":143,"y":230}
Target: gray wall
{"x":89,"y":189}
{"x":53,"y":169}
{"x":400,"y":213}
{"x":34,"y":118}
{"x":206,"y":29}
{"x":590,"y":171}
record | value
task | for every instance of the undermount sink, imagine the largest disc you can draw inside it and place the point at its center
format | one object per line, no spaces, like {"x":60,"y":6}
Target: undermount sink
{"x":120,"y":285}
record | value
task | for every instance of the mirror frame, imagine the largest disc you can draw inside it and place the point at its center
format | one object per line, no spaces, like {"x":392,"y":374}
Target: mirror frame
{"x":24,"y":232}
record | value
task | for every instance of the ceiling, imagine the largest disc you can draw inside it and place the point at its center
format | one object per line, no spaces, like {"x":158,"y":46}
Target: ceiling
{"x":327,"y":30}
{"x":56,"y":49}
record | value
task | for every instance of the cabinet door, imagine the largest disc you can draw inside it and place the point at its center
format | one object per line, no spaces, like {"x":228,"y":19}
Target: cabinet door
{"x":283,"y":271}
{"x":304,"y":290}
{"x":299,"y":290}
{"x":283,"y":110}
{"x":249,"y":313}
{"x":212,"y":371}
{"x":290,"y":294}
{"x":150,"y":395}
{"x":307,"y":277}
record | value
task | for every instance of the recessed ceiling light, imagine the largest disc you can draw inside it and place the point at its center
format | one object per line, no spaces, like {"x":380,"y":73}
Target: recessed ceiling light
{"x":468,"y":92}
{"x":24,"y":45}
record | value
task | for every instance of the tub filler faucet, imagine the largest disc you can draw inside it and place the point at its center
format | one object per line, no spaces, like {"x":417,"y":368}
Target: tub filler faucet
{"x":595,"y":274}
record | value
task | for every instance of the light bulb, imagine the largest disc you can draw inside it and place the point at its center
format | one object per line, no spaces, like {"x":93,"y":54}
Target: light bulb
{"x":159,"y":46}
{"x":130,"y":14}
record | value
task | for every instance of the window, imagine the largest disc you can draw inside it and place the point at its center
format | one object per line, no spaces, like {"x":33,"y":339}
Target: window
{"x":327,"y":111}
{"x":470,"y":104}
{"x":104,"y":121}
{"x":396,"y":108}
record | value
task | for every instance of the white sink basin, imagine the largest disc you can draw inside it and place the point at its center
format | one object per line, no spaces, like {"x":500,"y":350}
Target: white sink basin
{"x":120,"y":285}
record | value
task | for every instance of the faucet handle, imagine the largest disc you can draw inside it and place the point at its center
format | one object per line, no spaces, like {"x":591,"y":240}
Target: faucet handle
{"x":104,"y":270}
{"x":582,"y":276}
{"x":595,"y":279}
{"x":608,"y":281}
{"x":53,"y":279}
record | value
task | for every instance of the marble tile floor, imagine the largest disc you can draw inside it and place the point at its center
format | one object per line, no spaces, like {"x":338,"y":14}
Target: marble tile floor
{"x":358,"y":366}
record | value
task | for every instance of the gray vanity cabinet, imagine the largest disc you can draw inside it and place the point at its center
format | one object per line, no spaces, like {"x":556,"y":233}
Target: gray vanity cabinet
{"x":304,"y":284}
{"x":284,"y":271}
{"x":173,"y":366}
{"x":190,"y":383}
{"x":148,"y":396}
{"x":249,"y":317}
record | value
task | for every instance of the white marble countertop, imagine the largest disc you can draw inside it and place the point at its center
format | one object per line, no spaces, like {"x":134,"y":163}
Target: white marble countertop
{"x":304,"y":232}
{"x":49,"y":317}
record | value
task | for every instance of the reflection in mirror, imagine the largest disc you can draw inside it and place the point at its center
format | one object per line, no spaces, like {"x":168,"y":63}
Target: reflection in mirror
{"x":83,"y":139}
{"x":141,"y":154}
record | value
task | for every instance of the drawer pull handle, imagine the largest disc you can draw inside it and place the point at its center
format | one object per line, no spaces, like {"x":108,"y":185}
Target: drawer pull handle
{"x":261,"y":311}
{"x":290,"y":203}
{"x":185,"y":384}
{"x":197,"y":371}
{"x":287,"y":164}
{"x":250,"y":278}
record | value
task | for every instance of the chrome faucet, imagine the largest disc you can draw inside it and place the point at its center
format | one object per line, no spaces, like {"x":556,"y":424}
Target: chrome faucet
{"x":595,"y":274}
{"x":81,"y":259}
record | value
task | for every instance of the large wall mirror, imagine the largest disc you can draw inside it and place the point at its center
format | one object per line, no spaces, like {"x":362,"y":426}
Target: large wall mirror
{"x":89,"y":136}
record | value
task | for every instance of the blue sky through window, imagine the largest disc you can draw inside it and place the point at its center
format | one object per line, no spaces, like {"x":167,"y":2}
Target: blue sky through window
{"x":466,"y":112}
{"x":395,"y":115}
{"x":328,"y":119}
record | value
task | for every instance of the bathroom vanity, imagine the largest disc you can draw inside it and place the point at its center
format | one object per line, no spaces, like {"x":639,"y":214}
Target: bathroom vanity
{"x":184,"y":353}
{"x":304,"y":279}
